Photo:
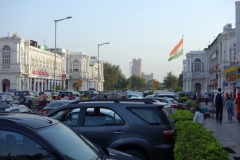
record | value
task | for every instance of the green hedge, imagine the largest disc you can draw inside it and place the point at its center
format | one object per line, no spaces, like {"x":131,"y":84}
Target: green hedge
{"x":182,"y":115}
{"x":194,"y":142}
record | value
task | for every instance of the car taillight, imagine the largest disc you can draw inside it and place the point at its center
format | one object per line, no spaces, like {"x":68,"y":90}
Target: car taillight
{"x":174,"y":106}
{"x":14,"y":94}
{"x":43,"y":111}
{"x":28,"y":94}
{"x":168,"y":133}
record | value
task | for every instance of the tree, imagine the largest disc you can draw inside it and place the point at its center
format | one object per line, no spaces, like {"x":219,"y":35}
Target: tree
{"x":137,"y":82}
{"x":111,"y":74}
{"x":180,"y":82}
{"x":149,"y":84}
{"x":170,"y":81}
{"x":122,"y":82}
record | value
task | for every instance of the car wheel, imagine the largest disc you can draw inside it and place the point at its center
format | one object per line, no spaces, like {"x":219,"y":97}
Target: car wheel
{"x":21,"y":99}
{"x":136,"y":153}
{"x":29,"y":104}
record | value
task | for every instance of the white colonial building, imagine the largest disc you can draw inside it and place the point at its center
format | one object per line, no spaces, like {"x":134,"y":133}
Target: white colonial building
{"x":205,"y":70}
{"x":25,"y":65}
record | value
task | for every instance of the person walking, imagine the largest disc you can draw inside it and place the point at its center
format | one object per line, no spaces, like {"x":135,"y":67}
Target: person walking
{"x":206,"y":98}
{"x":230,"y":108}
{"x":219,"y":103}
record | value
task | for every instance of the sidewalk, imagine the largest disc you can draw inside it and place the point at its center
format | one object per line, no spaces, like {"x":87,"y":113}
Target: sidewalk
{"x":227,"y":132}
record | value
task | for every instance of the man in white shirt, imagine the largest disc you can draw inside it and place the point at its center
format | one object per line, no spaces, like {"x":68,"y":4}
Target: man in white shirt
{"x":198,"y":117}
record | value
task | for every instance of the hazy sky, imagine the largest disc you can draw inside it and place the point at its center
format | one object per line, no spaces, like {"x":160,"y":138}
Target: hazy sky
{"x":135,"y":28}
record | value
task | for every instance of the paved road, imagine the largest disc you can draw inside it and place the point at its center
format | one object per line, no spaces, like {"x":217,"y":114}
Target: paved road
{"x":227,"y":132}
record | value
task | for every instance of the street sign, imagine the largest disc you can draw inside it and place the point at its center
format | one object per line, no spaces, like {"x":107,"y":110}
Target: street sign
{"x":128,"y":86}
{"x":79,"y":83}
{"x":155,"y":84}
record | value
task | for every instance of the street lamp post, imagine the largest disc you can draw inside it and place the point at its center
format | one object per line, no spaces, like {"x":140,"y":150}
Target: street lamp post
{"x":54,"y":83}
{"x":98,"y":63}
{"x":130,"y":74}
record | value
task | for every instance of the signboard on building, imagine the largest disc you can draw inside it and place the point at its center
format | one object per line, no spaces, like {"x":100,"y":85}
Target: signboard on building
{"x":79,"y":83}
{"x":232,"y":77}
{"x":232,"y":69}
{"x":214,"y":55}
{"x":41,"y":73}
{"x":214,"y":69}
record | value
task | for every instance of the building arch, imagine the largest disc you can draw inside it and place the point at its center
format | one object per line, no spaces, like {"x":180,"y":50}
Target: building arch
{"x":197,"y":87}
{"x":6,"y":57}
{"x":5,"y":85}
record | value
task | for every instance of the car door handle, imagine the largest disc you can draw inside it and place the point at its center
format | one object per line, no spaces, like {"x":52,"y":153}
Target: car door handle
{"x":119,"y":132}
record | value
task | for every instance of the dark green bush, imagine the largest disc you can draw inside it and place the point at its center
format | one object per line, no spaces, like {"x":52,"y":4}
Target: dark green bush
{"x":194,"y":142}
{"x":182,"y":115}
{"x":183,"y":98}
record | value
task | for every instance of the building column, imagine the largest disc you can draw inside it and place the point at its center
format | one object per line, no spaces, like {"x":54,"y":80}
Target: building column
{"x":28,"y":79}
{"x":48,"y":81}
{"x":42,"y":84}
{"x":30,"y":83}
{"x":190,"y":87}
{"x":186,"y":86}
{"x":38,"y":90}
{"x":64,"y":84}
{"x":34,"y":84}
{"x":19,"y":83}
{"x":206,"y":87}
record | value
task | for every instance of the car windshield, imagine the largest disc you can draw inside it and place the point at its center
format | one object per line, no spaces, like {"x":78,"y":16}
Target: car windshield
{"x":57,"y":103}
{"x":21,"y":93}
{"x":68,"y":143}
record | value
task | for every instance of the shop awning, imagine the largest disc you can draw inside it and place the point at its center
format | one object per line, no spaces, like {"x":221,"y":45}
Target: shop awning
{"x":237,"y":85}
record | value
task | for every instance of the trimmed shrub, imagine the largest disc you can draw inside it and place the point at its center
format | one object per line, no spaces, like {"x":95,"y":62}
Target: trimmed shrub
{"x":194,"y":142}
{"x":182,"y":115}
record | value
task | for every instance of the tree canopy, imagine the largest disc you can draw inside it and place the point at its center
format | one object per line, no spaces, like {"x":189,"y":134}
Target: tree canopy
{"x":137,"y":82}
{"x":170,"y":81}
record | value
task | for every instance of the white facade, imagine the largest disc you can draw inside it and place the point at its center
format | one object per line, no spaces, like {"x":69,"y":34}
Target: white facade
{"x":205,"y":70}
{"x":23,"y":66}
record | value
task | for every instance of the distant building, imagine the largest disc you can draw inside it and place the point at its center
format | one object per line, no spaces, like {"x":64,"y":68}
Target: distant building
{"x":25,"y":65}
{"x":137,"y":67}
{"x":147,"y":77}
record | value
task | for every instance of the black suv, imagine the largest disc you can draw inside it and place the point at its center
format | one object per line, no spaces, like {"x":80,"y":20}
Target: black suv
{"x":139,"y":127}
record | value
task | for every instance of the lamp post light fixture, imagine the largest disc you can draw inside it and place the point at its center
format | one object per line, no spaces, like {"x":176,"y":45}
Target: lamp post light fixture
{"x":54,"y":83}
{"x":98,"y":63}
{"x":130,"y":75}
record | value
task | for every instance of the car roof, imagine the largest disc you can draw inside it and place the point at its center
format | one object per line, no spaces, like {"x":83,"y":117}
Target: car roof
{"x":29,"y":120}
{"x":62,"y":101}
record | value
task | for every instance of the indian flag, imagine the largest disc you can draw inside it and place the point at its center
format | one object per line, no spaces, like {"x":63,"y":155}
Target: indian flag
{"x":177,"y":51}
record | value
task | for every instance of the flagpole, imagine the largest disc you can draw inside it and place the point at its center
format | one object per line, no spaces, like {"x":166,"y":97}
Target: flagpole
{"x":183,"y":48}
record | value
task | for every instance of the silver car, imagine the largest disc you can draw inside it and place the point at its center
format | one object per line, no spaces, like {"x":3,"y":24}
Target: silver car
{"x":26,"y":97}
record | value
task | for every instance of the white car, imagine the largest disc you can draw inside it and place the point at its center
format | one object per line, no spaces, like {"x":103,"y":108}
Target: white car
{"x":14,"y":108}
{"x":134,"y":96}
{"x":5,"y":98}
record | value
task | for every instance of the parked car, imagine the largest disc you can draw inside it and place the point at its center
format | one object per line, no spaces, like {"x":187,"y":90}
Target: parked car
{"x":53,"y":105}
{"x":138,"y":127}
{"x":5,"y":98}
{"x":171,"y":104}
{"x":4,"y":107}
{"x":134,"y":96}
{"x":26,"y":97}
{"x":70,"y":94}
{"x":29,"y":136}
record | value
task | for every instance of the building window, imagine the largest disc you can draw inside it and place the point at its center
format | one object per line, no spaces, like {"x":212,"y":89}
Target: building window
{"x":75,"y":66}
{"x":6,"y":57}
{"x":197,"y":65}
